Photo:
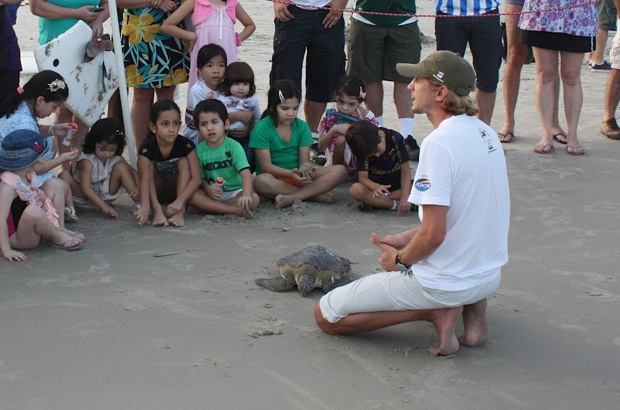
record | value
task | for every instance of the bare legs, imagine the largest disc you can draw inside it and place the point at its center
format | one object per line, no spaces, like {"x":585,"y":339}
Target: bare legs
{"x":612,"y":94}
{"x":517,"y":53}
{"x":444,"y":321}
{"x":324,"y":179}
{"x":313,"y":111}
{"x":203,"y":202}
{"x":402,"y":100}
{"x":546,"y":95}
{"x":486,"y":104}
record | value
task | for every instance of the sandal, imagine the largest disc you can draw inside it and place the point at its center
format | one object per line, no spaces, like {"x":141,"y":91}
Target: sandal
{"x":574,"y":149}
{"x":543,"y":149}
{"x":506,"y":137}
{"x":64,"y":246}
{"x":556,"y":138}
{"x":70,"y":215}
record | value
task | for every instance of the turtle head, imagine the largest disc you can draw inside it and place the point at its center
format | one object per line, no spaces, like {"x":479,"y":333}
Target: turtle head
{"x":305,"y":284}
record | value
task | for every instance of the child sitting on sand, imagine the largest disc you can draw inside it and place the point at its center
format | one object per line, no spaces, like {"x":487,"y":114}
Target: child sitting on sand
{"x":281,"y":143}
{"x":101,"y":173}
{"x":350,"y":94}
{"x":383,"y":168}
{"x":26,"y":214}
{"x":221,"y":157}
{"x":167,"y":168}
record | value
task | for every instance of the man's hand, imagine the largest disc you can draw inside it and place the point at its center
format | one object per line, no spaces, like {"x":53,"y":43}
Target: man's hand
{"x":388,"y":257}
{"x":281,"y":12}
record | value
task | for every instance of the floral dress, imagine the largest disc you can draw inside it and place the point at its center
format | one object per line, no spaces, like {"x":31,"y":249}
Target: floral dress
{"x":152,"y":59}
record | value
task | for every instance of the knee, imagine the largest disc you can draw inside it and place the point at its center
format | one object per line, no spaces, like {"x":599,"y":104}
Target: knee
{"x":262,"y":182}
{"x":321,"y":322}
{"x":340,"y":171}
{"x":357,"y":190}
{"x":34,"y":213}
{"x":55,"y":185}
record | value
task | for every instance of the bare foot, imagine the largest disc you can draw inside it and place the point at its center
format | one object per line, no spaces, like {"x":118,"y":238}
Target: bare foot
{"x":159,"y":220}
{"x":283,"y":201}
{"x":177,"y":220}
{"x":326,"y":198}
{"x":246,"y":213}
{"x":475,"y":323}
{"x":444,"y":323}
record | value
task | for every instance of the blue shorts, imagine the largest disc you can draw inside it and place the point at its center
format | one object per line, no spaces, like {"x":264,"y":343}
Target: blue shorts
{"x":325,"y":59}
{"x":484,"y":36}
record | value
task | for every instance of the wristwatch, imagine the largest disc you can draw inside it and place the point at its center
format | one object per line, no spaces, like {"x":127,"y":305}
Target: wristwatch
{"x":402,"y":266}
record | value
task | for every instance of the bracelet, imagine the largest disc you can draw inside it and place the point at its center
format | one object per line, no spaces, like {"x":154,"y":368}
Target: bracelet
{"x":237,"y":39}
{"x":50,"y":131}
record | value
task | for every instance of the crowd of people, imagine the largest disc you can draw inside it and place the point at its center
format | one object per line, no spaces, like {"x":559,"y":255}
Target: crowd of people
{"x":224,"y":155}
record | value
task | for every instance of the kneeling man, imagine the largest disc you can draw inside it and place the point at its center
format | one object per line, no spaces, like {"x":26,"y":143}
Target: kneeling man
{"x":452,"y":262}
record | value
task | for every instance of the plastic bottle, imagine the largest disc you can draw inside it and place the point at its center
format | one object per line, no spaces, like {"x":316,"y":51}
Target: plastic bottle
{"x":67,"y":141}
{"x":219,"y":181}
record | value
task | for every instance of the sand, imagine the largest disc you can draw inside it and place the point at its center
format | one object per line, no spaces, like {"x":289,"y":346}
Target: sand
{"x":114,"y":326}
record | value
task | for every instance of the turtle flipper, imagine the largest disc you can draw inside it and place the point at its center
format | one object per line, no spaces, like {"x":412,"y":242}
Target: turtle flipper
{"x":276,"y":284}
{"x":329,"y":285}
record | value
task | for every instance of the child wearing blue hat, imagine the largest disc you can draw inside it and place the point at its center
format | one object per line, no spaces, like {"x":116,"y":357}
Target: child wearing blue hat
{"x":26,"y":214}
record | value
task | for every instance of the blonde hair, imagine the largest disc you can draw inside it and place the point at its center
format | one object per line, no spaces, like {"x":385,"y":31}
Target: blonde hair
{"x":456,"y":104}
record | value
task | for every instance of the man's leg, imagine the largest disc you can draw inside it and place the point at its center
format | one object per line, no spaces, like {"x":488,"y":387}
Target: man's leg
{"x":610,"y":128}
{"x":313,"y":111}
{"x":485,"y":44}
{"x":444,"y":321}
{"x":475,"y":324}
{"x":517,"y":53}
{"x":486,"y":104}
{"x":403,"y":102}
{"x":374,"y":97}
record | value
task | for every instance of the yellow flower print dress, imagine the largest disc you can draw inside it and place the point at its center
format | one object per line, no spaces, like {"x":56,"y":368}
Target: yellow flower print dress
{"x":152,"y":59}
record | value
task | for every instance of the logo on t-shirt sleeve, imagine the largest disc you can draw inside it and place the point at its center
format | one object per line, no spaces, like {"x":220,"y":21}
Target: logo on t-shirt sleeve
{"x":422,"y":184}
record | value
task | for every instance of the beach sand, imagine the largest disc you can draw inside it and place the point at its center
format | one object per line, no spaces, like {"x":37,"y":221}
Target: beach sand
{"x":114,"y":326}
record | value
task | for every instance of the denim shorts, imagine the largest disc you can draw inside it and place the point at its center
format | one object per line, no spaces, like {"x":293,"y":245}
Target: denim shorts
{"x":323,"y":47}
{"x":484,"y":36}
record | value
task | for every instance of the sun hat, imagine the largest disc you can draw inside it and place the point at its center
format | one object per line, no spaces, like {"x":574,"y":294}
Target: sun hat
{"x":444,"y":67}
{"x":22,"y":148}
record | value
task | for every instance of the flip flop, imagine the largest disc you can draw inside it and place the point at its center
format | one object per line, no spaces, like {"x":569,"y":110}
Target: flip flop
{"x":505,"y":138}
{"x":574,"y":150}
{"x":558,"y":140}
{"x":64,"y":246}
{"x":542,"y":148}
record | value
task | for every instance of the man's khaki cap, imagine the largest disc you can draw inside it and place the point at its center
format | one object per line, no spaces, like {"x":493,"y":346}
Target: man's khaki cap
{"x":444,"y":67}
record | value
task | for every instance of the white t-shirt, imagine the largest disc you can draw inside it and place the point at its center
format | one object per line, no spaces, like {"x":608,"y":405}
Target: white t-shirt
{"x":315,"y":3}
{"x":462,"y":166}
{"x":234,"y":104}
{"x":197,"y":93}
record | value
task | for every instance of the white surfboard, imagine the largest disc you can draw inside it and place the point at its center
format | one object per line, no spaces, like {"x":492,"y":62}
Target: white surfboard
{"x":91,"y":84}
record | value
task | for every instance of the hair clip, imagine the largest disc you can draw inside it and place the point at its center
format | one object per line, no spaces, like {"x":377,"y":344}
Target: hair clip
{"x":20,"y":90}
{"x":119,"y":132}
{"x":282,"y":99}
{"x":56,"y":85}
{"x":362,"y":94}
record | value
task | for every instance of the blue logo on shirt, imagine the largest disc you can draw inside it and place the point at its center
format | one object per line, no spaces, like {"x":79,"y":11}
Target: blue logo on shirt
{"x":422,"y":184}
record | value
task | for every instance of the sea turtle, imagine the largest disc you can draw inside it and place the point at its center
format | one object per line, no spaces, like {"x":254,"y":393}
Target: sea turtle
{"x":309,"y":268}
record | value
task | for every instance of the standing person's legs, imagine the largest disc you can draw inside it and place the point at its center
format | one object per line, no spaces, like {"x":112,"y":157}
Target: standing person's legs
{"x":570,"y":71}
{"x":610,"y":128}
{"x":140,"y":109}
{"x":517,"y":52}
{"x":606,"y":17}
{"x":403,"y":45}
{"x":325,"y":62}
{"x":546,"y":76}
{"x":365,"y":60}
{"x":485,"y":44}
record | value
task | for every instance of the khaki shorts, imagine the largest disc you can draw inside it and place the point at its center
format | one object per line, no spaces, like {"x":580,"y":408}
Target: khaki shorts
{"x":373,"y":51}
{"x":607,"y":15}
{"x":614,"y":53}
